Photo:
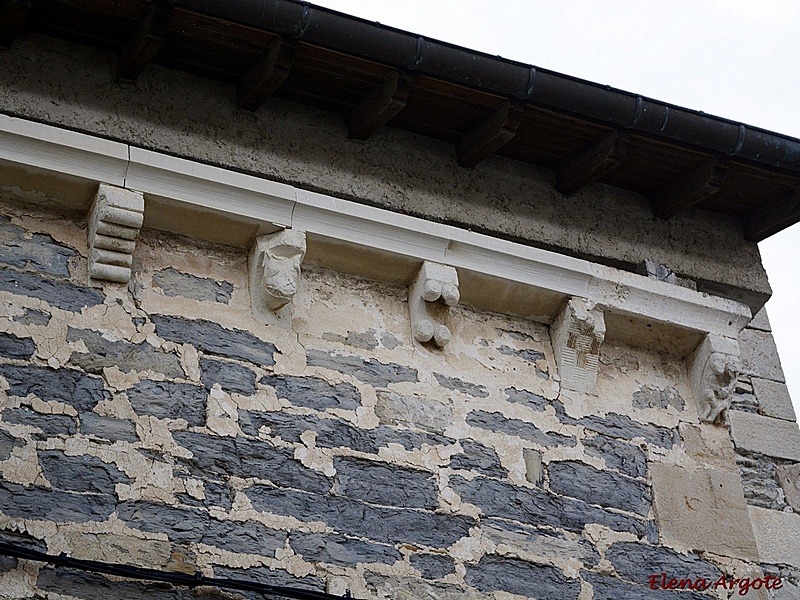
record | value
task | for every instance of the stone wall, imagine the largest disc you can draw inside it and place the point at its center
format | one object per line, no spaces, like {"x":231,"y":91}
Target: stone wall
{"x":72,"y":86}
{"x":160,"y":425}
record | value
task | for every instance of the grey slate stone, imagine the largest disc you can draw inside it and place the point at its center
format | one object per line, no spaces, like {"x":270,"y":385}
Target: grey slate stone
{"x":760,"y":481}
{"x":381,"y":483}
{"x":191,"y":526}
{"x":593,"y":486}
{"x":526,"y":398}
{"x":524,"y":539}
{"x":49,"y":424}
{"x":413,"y":588}
{"x":480,"y":458}
{"x":313,"y":392}
{"x":34,"y":502}
{"x":649,"y":396}
{"x":124,"y":355}
{"x":80,"y":391}
{"x":91,"y":586}
{"x":636,"y":562}
{"x":458,"y":385}
{"x":216,"y":494}
{"x":502,"y":573}
{"x":416,"y":411}
{"x":231,"y":377}
{"x":222,"y":457}
{"x":369,"y":371}
{"x":7,"y":564}
{"x":611,"y":588}
{"x":174,"y":283}
{"x":60,"y":294}
{"x":340,"y":550}
{"x":621,"y":426}
{"x":525,"y":354}
{"x":352,"y":517}
{"x":15,"y":347}
{"x":32,"y":316}
{"x":266,"y":576}
{"x":7,"y":444}
{"x":115,"y":430}
{"x":80,"y":473}
{"x":169,"y":400}
{"x":38,"y":252}
{"x":212,"y":338}
{"x":495,"y":421}
{"x":19,"y":538}
{"x":433,"y":566}
{"x":619,"y":455}
{"x":538,"y":507}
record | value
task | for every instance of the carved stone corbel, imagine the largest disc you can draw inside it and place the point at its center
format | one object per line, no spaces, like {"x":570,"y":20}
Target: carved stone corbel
{"x":274,"y":266}
{"x":115,"y":219}
{"x":577,"y":334}
{"x":713,"y":369}
{"x":430,"y":296}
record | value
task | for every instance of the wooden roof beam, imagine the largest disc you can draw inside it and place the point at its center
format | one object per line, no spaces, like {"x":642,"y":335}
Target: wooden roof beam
{"x":689,"y":189}
{"x":591,"y":164}
{"x":145,"y":42}
{"x":267,"y":75}
{"x":779,"y":215}
{"x":490,"y":135}
{"x":12,"y":17}
{"x":380,"y":106}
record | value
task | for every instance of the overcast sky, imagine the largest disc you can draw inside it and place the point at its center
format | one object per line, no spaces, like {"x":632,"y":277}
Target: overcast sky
{"x":732,"y":58}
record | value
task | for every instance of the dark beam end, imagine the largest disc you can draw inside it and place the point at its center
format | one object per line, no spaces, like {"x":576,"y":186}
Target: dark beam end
{"x":779,"y":215}
{"x":13,"y":14}
{"x":380,"y":106}
{"x":591,"y":164}
{"x":490,"y":135}
{"x":689,"y":189}
{"x":145,"y":42}
{"x":267,"y":75}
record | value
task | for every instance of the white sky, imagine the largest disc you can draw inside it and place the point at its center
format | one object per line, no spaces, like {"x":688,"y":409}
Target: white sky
{"x":732,"y":58}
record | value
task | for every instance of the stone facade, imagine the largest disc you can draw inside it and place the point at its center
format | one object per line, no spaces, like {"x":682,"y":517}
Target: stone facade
{"x":161,"y":423}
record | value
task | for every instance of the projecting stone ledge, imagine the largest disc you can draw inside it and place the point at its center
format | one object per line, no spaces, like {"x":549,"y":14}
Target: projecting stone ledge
{"x":114,"y":221}
{"x":577,"y":334}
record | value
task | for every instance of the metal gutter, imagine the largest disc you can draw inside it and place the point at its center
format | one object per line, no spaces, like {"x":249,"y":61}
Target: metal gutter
{"x":602,"y":104}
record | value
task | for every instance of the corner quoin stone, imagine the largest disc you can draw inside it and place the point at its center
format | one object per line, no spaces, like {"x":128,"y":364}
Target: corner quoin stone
{"x":765,"y":435}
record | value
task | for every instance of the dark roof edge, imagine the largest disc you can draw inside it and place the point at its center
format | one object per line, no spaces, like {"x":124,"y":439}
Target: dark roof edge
{"x":603,"y":104}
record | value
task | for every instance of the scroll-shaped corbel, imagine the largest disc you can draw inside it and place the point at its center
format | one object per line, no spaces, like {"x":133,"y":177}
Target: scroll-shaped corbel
{"x":115,"y":218}
{"x":577,"y":334}
{"x":713,"y":368}
{"x":430,"y":296}
{"x":274,"y":266}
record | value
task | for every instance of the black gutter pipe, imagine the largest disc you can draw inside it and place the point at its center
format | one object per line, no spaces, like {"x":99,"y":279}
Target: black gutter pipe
{"x":400,"y":49}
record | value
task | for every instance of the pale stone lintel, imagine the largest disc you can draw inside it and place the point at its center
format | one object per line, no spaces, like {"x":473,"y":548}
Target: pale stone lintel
{"x":115,"y":218}
{"x":275,"y":270}
{"x":433,"y":291}
{"x":713,"y":370}
{"x":577,"y":333}
{"x":494,"y":274}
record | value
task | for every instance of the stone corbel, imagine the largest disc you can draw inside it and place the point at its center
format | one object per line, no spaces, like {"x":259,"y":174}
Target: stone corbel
{"x":713,"y":369}
{"x":430,"y":296}
{"x":115,"y":219}
{"x":577,"y":334}
{"x":274,"y":267}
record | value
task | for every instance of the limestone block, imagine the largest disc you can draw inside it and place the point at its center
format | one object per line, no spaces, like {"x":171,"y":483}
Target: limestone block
{"x":773,"y":399}
{"x":713,"y":369}
{"x":702,"y":509}
{"x":275,"y":269}
{"x":773,"y":437}
{"x":776,"y":535}
{"x":760,"y":355}
{"x":709,"y":445}
{"x":760,"y":321}
{"x":433,"y":291}
{"x":789,"y":478}
{"x":114,"y":221}
{"x":577,"y":334}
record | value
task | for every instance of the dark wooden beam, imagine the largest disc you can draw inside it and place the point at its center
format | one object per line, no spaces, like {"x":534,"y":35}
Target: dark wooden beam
{"x":689,"y":189}
{"x":591,"y":164}
{"x":490,"y":135}
{"x":380,"y":106}
{"x":777,"y":216}
{"x":12,"y":17}
{"x":267,"y":75}
{"x":145,"y":42}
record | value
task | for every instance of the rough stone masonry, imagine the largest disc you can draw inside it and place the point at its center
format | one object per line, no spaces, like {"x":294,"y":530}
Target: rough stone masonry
{"x":158,"y":424}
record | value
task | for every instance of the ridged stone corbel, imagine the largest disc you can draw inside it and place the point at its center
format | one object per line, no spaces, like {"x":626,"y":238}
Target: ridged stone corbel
{"x":115,"y":219}
{"x":275,"y":260}
{"x":577,"y":334}
{"x":713,"y":369}
{"x":430,"y":296}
